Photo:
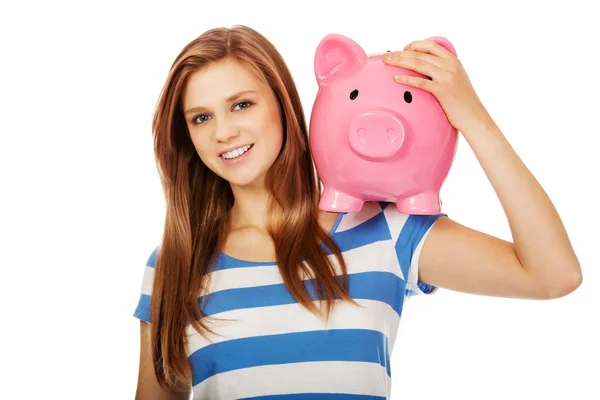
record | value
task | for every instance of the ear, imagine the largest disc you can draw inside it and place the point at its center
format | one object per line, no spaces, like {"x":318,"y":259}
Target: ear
{"x":337,"y":55}
{"x":445,"y":43}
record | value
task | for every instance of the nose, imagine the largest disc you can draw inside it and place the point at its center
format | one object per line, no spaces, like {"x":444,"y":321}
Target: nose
{"x":376,"y":135}
{"x":225,"y":130}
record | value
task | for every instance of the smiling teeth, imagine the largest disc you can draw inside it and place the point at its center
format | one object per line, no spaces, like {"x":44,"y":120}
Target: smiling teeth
{"x":237,"y":152}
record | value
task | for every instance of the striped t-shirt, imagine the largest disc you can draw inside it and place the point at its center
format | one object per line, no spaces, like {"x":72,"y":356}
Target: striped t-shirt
{"x":276,"y":349}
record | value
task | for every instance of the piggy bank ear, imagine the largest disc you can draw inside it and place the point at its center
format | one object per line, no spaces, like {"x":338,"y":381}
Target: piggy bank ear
{"x":445,"y":43}
{"x":337,"y":56}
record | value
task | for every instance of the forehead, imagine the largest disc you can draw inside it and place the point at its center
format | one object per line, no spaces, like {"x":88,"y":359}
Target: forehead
{"x":219,"y":80}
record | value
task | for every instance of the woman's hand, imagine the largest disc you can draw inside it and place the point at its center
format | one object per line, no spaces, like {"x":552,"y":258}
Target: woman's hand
{"x":449,"y":82}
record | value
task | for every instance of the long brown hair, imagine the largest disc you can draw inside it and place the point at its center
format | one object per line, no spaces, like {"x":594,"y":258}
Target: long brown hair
{"x":197,"y":201}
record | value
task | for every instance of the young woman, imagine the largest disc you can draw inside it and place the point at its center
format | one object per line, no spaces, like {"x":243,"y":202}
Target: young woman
{"x":253,"y":291}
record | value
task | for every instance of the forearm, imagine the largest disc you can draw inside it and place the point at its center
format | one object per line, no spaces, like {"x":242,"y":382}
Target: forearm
{"x":540,"y":239}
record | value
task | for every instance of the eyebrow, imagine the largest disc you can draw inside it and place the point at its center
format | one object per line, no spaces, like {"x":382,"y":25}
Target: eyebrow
{"x":229,"y":99}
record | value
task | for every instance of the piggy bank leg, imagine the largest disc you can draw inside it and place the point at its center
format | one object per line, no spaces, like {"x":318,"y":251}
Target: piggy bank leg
{"x":427,"y":203}
{"x":334,"y":200}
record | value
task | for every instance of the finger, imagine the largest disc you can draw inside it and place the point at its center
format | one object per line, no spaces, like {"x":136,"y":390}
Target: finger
{"x":432,"y":59}
{"x":431,"y":47}
{"x":418,"y":65}
{"x":421,"y":83}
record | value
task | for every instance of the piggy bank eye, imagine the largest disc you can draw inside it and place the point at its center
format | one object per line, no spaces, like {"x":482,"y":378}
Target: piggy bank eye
{"x":407,"y":96}
{"x":353,"y":94}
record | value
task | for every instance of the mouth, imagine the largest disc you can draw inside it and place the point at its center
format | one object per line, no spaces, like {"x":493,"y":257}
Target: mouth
{"x":236,"y":153}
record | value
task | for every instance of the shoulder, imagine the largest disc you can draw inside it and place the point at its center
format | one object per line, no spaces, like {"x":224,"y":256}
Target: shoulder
{"x":383,"y":220}
{"x":151,"y":262}
{"x":142,"y":311}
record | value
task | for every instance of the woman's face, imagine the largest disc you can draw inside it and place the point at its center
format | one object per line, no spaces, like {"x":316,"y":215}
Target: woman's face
{"x":234,"y":122}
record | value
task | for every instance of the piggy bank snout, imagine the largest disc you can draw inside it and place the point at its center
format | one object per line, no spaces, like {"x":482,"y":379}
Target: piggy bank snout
{"x":376,"y":135}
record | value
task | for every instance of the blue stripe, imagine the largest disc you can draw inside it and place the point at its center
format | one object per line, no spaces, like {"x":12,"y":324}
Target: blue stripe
{"x":152,"y":259}
{"x":316,"y":396}
{"x":425,"y":287}
{"x":337,"y":222}
{"x":380,"y":286}
{"x":359,"y":345}
{"x":373,"y":230}
{"x":225,"y":261}
{"x":142,"y":310}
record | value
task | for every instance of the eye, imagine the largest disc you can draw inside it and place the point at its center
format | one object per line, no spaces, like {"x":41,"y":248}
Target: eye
{"x":353,"y":94}
{"x":246,"y":103}
{"x":196,"y":121}
{"x":408,"y":96}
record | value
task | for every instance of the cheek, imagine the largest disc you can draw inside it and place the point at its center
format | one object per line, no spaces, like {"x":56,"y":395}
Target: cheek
{"x":202,"y":148}
{"x":274,"y":123}
{"x":275,"y":116}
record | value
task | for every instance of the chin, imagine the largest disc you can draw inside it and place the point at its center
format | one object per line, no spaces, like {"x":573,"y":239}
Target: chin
{"x":246,"y":181}
{"x":245,"y":177}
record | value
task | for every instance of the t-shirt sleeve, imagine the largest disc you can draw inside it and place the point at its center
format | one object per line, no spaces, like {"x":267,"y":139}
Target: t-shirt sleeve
{"x":409,"y":233}
{"x":142,"y":311}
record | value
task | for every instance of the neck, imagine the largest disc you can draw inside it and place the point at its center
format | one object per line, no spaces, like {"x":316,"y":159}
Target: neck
{"x":249,"y":208}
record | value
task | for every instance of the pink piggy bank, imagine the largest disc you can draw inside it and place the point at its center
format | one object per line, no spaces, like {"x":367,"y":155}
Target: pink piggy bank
{"x":373,"y":138}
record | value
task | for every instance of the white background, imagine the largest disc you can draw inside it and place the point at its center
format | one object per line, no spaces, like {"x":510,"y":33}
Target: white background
{"x":82,"y":206}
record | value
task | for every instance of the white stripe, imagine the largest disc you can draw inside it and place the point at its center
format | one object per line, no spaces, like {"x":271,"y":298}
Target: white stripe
{"x":147,"y":281}
{"x":274,"y":320}
{"x":307,"y":377}
{"x":396,"y":221}
{"x":350,"y":220}
{"x":378,"y":256}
